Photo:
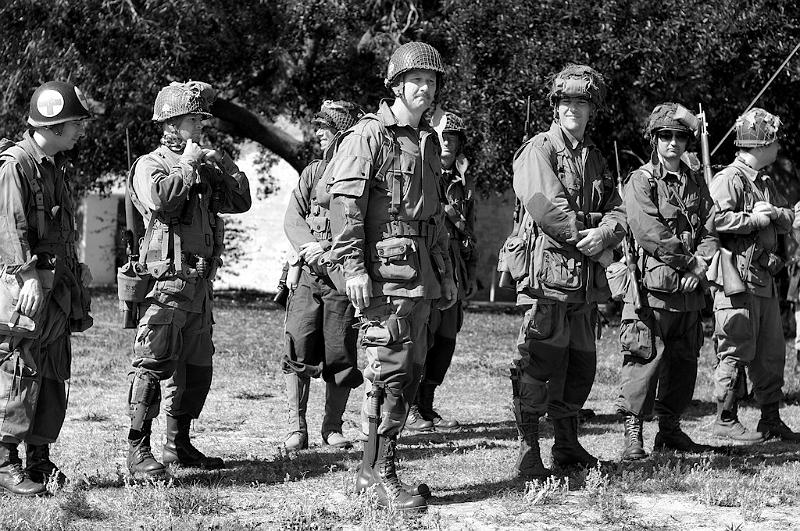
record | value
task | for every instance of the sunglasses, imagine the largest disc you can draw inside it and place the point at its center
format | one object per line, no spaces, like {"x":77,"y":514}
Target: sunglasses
{"x":667,"y":136}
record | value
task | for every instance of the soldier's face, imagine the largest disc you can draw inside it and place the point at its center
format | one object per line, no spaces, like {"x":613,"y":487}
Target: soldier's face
{"x":190,"y":127}
{"x":771,"y":152}
{"x":419,"y":89}
{"x":325,"y":136}
{"x":672,"y":144}
{"x":574,"y":115}
{"x":451,"y":144}
{"x":71,"y":132}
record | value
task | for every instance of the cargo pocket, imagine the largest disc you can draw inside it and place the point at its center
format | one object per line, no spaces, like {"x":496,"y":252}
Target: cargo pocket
{"x":660,"y":277}
{"x":177,"y":288}
{"x":539,"y":322}
{"x":395,"y":259}
{"x":733,"y":324}
{"x":515,"y":254}
{"x":636,"y":339}
{"x":386,"y":329}
{"x":157,"y":336}
{"x":19,"y":389}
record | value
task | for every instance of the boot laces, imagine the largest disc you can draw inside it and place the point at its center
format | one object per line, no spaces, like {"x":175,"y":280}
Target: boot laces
{"x":634,"y":429}
{"x":14,"y":470}
{"x":388,"y":473}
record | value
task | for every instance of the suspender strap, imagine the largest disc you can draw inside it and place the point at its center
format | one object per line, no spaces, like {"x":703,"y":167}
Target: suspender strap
{"x":31,"y":174}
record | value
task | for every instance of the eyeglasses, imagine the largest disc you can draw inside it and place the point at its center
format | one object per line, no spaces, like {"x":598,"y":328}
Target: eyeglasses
{"x":667,"y":136}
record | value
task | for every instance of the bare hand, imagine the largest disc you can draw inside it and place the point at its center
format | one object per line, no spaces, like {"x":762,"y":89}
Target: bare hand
{"x":192,"y":153}
{"x":449,"y":294}
{"x":689,"y":282}
{"x":359,"y":290}
{"x":30,"y":297}
{"x":472,"y":289}
{"x":761,"y":220}
{"x":768,"y":209}
{"x":212,"y":155}
{"x":590,"y":242}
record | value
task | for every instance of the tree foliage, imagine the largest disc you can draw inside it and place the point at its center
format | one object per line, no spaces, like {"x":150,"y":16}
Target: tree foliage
{"x":283,"y":57}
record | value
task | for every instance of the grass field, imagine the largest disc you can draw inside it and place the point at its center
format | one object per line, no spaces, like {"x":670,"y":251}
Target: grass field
{"x":471,"y":471}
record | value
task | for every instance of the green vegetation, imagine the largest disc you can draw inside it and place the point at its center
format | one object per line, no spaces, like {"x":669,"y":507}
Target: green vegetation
{"x":470,"y":471}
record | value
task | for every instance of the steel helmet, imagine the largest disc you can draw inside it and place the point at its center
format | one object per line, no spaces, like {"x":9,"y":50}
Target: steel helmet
{"x":578,"y":81}
{"x":756,"y":128}
{"x":338,"y":115}
{"x":56,"y":102}
{"x":410,"y":56}
{"x":177,"y":99}
{"x":671,"y":116}
{"x":453,"y":123}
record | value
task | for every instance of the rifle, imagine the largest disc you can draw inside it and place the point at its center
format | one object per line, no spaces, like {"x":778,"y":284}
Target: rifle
{"x":506,"y":280}
{"x":290,"y":277}
{"x":130,"y":281}
{"x":630,"y":260}
{"x":704,"y":153}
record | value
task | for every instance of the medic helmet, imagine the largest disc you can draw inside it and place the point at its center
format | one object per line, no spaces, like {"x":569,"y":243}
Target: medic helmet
{"x":671,"y":116}
{"x":338,"y":115}
{"x":756,"y":128}
{"x":56,"y":102}
{"x":177,"y":99}
{"x":410,"y":56}
{"x":578,"y":81}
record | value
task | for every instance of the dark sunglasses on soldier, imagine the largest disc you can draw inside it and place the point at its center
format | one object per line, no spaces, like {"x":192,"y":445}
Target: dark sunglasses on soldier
{"x":667,"y":136}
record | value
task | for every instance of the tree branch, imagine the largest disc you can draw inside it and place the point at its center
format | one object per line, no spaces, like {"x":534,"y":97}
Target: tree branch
{"x":249,"y":125}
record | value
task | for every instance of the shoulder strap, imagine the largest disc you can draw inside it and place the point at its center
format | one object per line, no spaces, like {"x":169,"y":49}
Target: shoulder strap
{"x":316,"y":176}
{"x":31,"y":173}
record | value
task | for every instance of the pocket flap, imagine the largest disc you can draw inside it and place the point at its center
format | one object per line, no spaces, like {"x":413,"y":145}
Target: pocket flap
{"x":161,"y":316}
{"x":394,"y":247}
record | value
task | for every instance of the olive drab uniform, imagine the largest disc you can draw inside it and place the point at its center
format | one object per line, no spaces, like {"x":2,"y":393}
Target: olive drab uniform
{"x":179,"y":204}
{"x":671,"y":218}
{"x":748,"y":329}
{"x":320,"y":334}
{"x":385,"y":224}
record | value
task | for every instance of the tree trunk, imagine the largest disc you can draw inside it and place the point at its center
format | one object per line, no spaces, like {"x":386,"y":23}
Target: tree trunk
{"x":249,"y":125}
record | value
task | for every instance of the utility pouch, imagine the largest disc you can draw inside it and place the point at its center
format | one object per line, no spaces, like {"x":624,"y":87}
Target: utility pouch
{"x":515,"y":256}
{"x":618,"y":280}
{"x":160,"y":269}
{"x":177,"y":287}
{"x":395,"y":259}
{"x":636,"y":339}
{"x":659,"y":277}
{"x":561,"y":269}
{"x":19,"y":388}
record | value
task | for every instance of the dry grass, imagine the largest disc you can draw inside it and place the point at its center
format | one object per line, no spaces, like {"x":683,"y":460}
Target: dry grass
{"x":470,"y":470}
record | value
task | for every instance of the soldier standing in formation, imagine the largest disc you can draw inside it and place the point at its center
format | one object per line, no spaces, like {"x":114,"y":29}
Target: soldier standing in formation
{"x":670,"y":215}
{"x":459,"y":194}
{"x":389,"y":237}
{"x":37,"y":245}
{"x":320,"y":338}
{"x":179,"y":188}
{"x":750,"y":214}
{"x":573,"y":218}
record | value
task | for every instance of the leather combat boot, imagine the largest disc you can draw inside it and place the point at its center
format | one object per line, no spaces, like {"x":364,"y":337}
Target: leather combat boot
{"x":140,"y":456}
{"x":771,"y":425}
{"x":634,"y":442}
{"x":39,"y":467}
{"x":388,"y":487}
{"x":297,"y":397}
{"x":335,"y":404}
{"x":12,"y":477}
{"x":425,"y":405}
{"x":367,"y":475}
{"x":529,"y":461}
{"x":566,"y":448}
{"x":415,"y":422}
{"x":727,"y":426}
{"x":670,"y":436}
{"x":179,"y":450}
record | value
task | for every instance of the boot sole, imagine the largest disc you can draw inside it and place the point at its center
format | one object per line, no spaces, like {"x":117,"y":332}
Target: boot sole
{"x":5,"y":490}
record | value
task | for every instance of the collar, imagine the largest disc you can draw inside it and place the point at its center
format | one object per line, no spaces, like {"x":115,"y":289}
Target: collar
{"x":748,"y":170}
{"x":389,"y":119}
{"x":566,"y":139}
{"x":660,"y":172}
{"x":34,"y":149}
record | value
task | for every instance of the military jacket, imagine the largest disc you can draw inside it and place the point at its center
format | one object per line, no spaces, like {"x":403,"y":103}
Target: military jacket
{"x":306,"y":219}
{"x":660,"y":206}
{"x":559,"y":182}
{"x":179,"y":196}
{"x":735,"y":190}
{"x":459,"y":208}
{"x":404,"y":250}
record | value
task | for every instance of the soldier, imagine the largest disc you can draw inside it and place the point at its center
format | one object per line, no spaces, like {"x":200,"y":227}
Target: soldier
{"x":390,"y":239}
{"x":573,"y":218}
{"x":671,"y":217}
{"x":179,"y":188}
{"x":458,"y":192}
{"x":320,"y":338}
{"x":750,"y":214}
{"x":37,"y":251}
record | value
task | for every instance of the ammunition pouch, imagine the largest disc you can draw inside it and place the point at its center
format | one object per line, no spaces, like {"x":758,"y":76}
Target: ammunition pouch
{"x":559,"y":267}
{"x":618,"y":280}
{"x":515,"y":256}
{"x":395,"y":259}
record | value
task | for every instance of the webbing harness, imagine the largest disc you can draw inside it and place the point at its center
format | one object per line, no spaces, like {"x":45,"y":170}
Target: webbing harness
{"x":11,"y":151}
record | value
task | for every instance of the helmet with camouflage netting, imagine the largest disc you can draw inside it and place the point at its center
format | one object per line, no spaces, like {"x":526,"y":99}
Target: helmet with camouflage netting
{"x":756,"y":128}
{"x":453,"y":123}
{"x":578,"y":81}
{"x":410,"y":56}
{"x":338,"y":115}
{"x":57,"y":102}
{"x":177,"y":99}
{"x":673,"y":117}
